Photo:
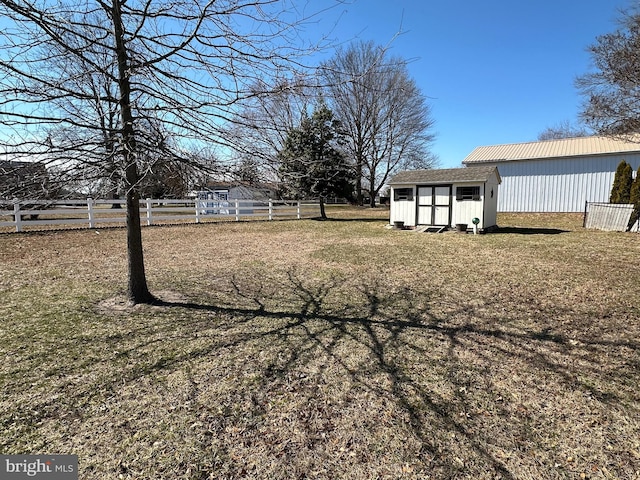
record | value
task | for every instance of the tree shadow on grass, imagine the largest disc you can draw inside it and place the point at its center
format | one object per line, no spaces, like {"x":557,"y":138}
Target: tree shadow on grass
{"x":358,"y":219}
{"x":396,"y":331}
{"x":361,"y":380}
{"x":529,"y":231}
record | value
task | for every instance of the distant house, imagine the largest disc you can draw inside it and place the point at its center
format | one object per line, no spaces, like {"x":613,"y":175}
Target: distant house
{"x":445,"y":197}
{"x":237,"y":191}
{"x":23,"y":180}
{"x":555,"y":175}
{"x":218,"y":197}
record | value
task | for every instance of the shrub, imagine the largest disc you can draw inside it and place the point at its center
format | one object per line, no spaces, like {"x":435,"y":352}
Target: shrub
{"x":621,"y":190}
{"x":634,"y":197}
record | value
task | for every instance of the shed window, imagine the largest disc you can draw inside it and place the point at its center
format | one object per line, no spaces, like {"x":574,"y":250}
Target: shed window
{"x":468,"y":193}
{"x":403,"y":194}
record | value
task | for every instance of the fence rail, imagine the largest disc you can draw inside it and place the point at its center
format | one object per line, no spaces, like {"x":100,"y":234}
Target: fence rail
{"x":93,"y":213}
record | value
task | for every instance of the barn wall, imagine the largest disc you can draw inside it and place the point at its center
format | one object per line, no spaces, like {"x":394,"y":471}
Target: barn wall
{"x":558,"y":185}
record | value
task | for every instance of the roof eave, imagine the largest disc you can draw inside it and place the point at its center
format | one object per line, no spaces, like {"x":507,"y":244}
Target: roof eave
{"x":441,"y":182}
{"x":559,"y":157}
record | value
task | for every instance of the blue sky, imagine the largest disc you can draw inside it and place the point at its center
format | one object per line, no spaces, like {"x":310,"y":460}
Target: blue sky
{"x":495,"y":71}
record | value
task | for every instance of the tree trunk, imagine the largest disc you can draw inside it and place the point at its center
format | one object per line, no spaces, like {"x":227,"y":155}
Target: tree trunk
{"x":114,"y":196}
{"x":138,"y":292}
{"x":323,"y":214}
{"x":372,"y":191}
{"x":359,"y":164}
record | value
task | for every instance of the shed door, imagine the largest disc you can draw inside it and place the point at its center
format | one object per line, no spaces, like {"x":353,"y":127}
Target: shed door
{"x":434,"y":205}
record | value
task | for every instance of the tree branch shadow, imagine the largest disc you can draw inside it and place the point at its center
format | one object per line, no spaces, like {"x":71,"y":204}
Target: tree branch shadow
{"x":381,"y":339}
{"x":528,"y":231}
{"x":382,"y":323}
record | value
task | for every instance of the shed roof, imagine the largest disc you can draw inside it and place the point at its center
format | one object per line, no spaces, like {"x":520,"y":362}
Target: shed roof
{"x":566,"y":147}
{"x":445,"y":175}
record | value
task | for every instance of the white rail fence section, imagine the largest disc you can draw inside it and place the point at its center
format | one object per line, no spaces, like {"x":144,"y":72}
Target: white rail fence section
{"x":612,"y":217}
{"x":92,"y":213}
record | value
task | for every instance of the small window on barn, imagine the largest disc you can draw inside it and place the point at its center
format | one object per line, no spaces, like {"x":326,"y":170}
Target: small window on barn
{"x":468,"y":193}
{"x":402,"y":194}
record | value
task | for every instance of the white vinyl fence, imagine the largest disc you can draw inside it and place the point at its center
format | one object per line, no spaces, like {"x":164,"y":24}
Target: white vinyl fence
{"x":612,"y":217}
{"x":92,"y":213}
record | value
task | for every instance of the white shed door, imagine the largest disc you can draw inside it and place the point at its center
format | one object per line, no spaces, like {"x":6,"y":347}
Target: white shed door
{"x":434,"y":205}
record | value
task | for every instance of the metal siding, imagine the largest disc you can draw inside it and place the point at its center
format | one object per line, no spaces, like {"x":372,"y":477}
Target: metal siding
{"x":558,"y":185}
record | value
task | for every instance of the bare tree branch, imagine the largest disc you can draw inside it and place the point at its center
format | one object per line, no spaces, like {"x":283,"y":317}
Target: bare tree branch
{"x":387,"y":118}
{"x":113,"y":90}
{"x":612,"y":89}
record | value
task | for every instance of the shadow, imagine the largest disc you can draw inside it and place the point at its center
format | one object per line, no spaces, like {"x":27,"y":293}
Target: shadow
{"x":528,"y":231}
{"x":354,"y":219}
{"x":323,"y":372}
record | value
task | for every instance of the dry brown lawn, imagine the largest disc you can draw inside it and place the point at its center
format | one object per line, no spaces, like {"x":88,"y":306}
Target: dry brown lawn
{"x":333,"y":350}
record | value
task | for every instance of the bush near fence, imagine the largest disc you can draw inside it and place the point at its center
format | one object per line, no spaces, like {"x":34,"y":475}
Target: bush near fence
{"x":90,"y":213}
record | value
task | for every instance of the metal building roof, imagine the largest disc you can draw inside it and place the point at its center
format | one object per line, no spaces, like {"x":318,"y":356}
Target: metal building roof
{"x":444,"y":175}
{"x":566,"y":147}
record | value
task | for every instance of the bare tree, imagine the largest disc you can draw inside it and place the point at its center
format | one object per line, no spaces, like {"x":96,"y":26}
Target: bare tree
{"x":387,"y":119}
{"x":612,"y":89}
{"x":263,"y":121}
{"x":51,"y":126}
{"x":183,"y":64}
{"x":562,"y":130}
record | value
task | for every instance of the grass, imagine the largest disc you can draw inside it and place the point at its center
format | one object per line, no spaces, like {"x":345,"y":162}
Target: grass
{"x":335,"y":349}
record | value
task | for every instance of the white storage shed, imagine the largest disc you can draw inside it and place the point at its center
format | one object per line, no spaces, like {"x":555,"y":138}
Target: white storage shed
{"x":445,"y":197}
{"x":556,"y":175}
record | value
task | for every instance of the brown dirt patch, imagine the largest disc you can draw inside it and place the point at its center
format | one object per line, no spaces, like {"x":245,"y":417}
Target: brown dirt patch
{"x":120,"y":304}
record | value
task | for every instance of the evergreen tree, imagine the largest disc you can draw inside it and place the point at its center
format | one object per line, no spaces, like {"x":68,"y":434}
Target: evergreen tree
{"x":634,"y":198}
{"x":621,"y":190}
{"x":625,"y":185}
{"x":312,"y":163}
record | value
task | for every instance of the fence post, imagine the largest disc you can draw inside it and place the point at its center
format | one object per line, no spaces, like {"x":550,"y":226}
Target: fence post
{"x":270,"y":209}
{"x":149,"y":215}
{"x":17,"y":217}
{"x":92,"y":223}
{"x":584,"y":217}
{"x":237,"y":210}
{"x":298,"y":210}
{"x":197,"y":200}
